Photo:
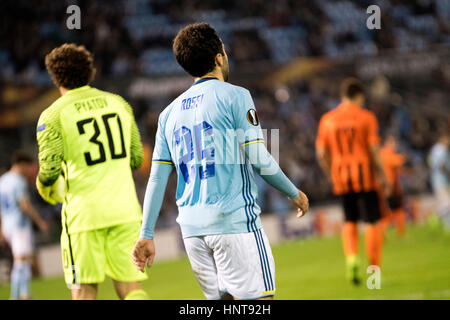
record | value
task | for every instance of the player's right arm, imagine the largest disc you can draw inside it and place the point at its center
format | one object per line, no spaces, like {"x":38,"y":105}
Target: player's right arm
{"x":27,"y":208}
{"x":251,"y":139}
{"x":23,"y":200}
{"x":51,"y":152}
{"x":144,"y":249}
{"x":322,"y":148}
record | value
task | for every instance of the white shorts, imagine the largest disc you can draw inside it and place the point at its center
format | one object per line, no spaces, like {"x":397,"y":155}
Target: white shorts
{"x":239,"y":264}
{"x":21,"y":242}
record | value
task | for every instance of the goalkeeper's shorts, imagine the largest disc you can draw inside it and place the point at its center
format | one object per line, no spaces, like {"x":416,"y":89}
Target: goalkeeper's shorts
{"x":88,"y":256}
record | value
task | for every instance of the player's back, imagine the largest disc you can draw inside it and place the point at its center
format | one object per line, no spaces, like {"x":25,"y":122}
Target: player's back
{"x":215,"y":192}
{"x":12,"y":189}
{"x":96,"y":127}
{"x":348,"y":131}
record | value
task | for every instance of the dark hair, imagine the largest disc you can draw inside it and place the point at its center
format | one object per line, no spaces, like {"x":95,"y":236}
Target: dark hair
{"x":351,"y":87}
{"x":21,"y":157}
{"x":195,"y":48}
{"x":70,"y":66}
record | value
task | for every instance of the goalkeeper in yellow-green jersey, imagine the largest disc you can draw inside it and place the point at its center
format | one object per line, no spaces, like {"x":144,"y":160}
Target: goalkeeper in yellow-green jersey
{"x":89,"y":144}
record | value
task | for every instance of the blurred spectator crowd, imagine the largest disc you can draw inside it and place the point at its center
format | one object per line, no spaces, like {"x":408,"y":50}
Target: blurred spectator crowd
{"x":134,"y":36}
{"x":133,"y":39}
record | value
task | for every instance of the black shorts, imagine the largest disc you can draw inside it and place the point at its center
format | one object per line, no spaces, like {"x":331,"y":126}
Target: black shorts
{"x":363,"y":206}
{"x":395,"y":202}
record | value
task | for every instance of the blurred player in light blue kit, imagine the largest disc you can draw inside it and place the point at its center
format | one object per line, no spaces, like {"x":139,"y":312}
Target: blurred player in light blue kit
{"x":211,"y":135}
{"x":17,"y":215}
{"x":439,"y":161}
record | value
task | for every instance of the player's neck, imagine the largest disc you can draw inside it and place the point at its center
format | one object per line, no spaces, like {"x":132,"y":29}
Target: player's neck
{"x":351,"y":102}
{"x":213,"y":74}
{"x":17,"y":169}
{"x":63,"y":90}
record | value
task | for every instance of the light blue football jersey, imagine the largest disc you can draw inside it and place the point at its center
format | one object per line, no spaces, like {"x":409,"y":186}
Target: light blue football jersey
{"x":439,"y":158}
{"x":13,"y":188}
{"x":202,"y":133}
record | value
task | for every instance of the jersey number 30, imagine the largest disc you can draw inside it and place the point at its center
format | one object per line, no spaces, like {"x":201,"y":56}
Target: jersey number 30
{"x":94,"y":139}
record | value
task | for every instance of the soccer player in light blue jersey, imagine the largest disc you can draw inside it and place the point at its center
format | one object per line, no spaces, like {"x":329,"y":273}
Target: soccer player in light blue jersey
{"x":212,"y":137}
{"x":17,"y":215}
{"x":439,"y":161}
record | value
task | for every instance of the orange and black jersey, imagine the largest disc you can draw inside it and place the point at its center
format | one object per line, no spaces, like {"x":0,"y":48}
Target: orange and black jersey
{"x":347,"y":133}
{"x":392,"y":163}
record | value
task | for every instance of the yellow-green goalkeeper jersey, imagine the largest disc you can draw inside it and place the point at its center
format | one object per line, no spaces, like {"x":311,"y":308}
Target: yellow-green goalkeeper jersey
{"x":91,"y":137}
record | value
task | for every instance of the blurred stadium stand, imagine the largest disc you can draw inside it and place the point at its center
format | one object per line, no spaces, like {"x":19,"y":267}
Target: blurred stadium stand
{"x":291,"y":54}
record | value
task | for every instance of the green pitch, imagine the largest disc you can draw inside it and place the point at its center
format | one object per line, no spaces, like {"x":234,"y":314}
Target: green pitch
{"x":415,"y":267}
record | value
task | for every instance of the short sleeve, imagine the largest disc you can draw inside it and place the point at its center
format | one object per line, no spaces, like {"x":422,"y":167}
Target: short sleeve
{"x":372,"y":134}
{"x":246,"y":121}
{"x":322,"y":135}
{"x":21,"y":191}
{"x":161,"y":151}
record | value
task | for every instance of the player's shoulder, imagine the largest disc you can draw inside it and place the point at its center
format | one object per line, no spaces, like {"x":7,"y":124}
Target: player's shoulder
{"x":165,"y":113}
{"x":3,"y":177}
{"x":12,"y":180}
{"x":227,"y":91}
{"x":233,"y":95}
{"x":329,"y":115}
{"x":369,"y":118}
{"x":368,"y":114}
{"x":231,"y":89}
{"x":438,"y":150}
{"x":115,"y":98}
{"x":52,"y":112}
{"x":111,"y":95}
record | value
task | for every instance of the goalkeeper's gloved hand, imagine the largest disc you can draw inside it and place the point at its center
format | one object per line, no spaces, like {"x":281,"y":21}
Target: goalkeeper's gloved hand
{"x":54,"y":193}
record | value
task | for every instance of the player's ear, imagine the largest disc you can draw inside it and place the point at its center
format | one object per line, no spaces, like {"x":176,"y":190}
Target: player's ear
{"x":219,"y":59}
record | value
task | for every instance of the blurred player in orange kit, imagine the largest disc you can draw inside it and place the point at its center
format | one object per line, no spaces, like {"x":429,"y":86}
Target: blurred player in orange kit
{"x":393,"y":162}
{"x":348,"y":150}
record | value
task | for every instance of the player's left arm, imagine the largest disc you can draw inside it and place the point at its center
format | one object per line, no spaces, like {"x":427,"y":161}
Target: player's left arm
{"x":269,"y":170}
{"x":251,"y":139}
{"x":23,"y":200}
{"x":51,"y":152}
{"x":136,"y":147}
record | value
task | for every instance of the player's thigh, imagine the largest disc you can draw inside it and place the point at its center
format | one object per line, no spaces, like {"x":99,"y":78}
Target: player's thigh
{"x":203,"y":265}
{"x":120,"y":241}
{"x":83,"y":256}
{"x":371,"y":205}
{"x":245,"y":264}
{"x":350,"y":206}
{"x":21,"y":241}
